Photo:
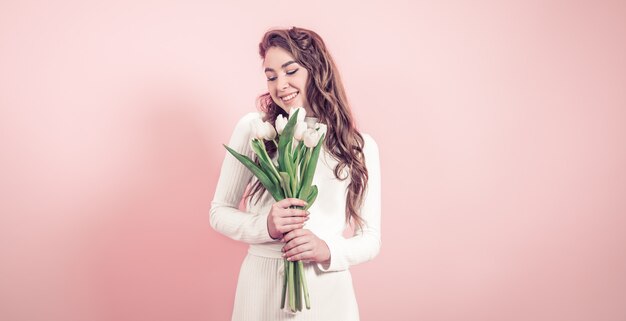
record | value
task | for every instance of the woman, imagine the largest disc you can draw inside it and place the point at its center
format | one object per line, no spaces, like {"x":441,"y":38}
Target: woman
{"x":301,"y":73}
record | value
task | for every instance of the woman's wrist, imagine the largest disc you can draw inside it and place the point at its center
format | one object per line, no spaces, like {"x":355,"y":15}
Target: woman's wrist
{"x":269,"y":232}
{"x":326,"y":256}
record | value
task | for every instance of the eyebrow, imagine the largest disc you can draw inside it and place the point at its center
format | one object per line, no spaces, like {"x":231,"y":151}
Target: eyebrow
{"x":283,"y":66}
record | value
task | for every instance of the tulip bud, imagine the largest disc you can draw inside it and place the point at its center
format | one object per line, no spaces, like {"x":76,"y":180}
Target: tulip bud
{"x":281,"y":122}
{"x":299,"y":130}
{"x":321,"y":128}
{"x":311,"y":137}
{"x":301,"y":113}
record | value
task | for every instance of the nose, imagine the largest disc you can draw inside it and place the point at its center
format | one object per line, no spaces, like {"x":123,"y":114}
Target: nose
{"x":282,"y":83}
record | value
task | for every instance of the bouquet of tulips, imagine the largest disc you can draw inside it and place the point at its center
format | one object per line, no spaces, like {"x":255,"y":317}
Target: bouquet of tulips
{"x":298,"y":150}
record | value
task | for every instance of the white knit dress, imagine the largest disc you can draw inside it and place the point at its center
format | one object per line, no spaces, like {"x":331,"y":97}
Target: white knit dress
{"x":260,"y":280}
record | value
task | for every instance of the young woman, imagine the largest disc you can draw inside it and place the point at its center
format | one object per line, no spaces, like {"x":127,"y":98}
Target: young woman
{"x":301,"y":73}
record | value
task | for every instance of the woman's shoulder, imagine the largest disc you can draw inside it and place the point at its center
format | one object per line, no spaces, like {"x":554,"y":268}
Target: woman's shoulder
{"x":369,"y":143}
{"x":249,"y":117}
{"x":245,"y":121}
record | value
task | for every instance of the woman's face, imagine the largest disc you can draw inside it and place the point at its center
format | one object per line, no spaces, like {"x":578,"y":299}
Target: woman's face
{"x":286,"y":79}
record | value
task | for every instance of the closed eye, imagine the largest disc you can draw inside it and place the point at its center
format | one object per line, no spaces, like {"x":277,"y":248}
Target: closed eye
{"x":290,"y":72}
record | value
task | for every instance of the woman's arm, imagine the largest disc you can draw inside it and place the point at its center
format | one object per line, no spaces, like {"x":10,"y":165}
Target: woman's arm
{"x":363,"y":245}
{"x":225,"y":216}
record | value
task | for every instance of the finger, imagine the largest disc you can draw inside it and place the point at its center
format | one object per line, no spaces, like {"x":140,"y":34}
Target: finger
{"x":290,"y":202}
{"x":295,"y":233}
{"x":295,"y":243}
{"x":285,"y":229}
{"x":296,"y":212}
{"x":289,"y":235}
{"x":303,"y":256}
{"x":297,"y":250}
{"x":293,"y":220}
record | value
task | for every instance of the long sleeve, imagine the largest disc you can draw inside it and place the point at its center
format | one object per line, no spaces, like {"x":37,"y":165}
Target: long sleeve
{"x":225,"y":216}
{"x":363,"y":245}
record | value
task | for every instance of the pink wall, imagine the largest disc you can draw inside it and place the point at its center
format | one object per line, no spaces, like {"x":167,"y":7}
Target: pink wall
{"x":501,"y":127}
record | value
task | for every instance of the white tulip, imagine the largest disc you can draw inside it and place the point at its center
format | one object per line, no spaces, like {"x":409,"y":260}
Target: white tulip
{"x":263,"y":130}
{"x":281,"y":122}
{"x":311,"y":137}
{"x":270,"y":132}
{"x":299,"y":130}
{"x":301,"y":113}
{"x":322,"y":128}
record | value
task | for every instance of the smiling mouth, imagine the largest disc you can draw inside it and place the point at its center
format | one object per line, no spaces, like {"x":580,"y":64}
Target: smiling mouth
{"x":289,"y":97}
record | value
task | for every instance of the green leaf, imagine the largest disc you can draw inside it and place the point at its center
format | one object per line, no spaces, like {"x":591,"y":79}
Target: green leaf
{"x":311,"y":164}
{"x":304,"y":192}
{"x":311,"y":197}
{"x":287,"y":135}
{"x":288,"y":162}
{"x":296,"y":183}
{"x":274,"y":180}
{"x":298,"y":154}
{"x":258,"y":172}
{"x":303,"y":152}
{"x":285,"y":139}
{"x":264,"y":159}
{"x":305,"y":162}
{"x":285,"y":183}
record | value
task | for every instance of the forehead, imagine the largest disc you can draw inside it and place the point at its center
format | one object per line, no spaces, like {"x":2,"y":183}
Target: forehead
{"x":275,"y":57}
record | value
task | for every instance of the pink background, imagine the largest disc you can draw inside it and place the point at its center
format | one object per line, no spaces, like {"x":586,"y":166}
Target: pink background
{"x":501,"y":126}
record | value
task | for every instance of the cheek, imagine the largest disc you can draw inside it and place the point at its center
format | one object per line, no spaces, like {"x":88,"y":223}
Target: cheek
{"x":304,"y":79}
{"x":275,"y":99}
{"x":271,"y":91}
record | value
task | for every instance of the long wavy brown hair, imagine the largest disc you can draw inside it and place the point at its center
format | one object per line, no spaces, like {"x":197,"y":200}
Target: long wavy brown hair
{"x":328,"y":101}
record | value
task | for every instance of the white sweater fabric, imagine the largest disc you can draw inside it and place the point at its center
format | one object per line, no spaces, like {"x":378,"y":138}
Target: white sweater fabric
{"x":260,"y":278}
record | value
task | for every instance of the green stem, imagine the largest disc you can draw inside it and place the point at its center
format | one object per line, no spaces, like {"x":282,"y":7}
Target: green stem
{"x":297,"y":286}
{"x":292,"y":290}
{"x":305,"y":289}
{"x":286,"y":272}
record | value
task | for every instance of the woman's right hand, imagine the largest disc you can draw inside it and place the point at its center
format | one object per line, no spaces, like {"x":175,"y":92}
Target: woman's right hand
{"x":282,"y":219}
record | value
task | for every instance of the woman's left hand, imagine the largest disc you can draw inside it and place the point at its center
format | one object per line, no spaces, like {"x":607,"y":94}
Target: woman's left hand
{"x":303,"y":245}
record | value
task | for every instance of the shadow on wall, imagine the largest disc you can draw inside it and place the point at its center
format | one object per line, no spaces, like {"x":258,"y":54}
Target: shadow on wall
{"x":151,"y":252}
